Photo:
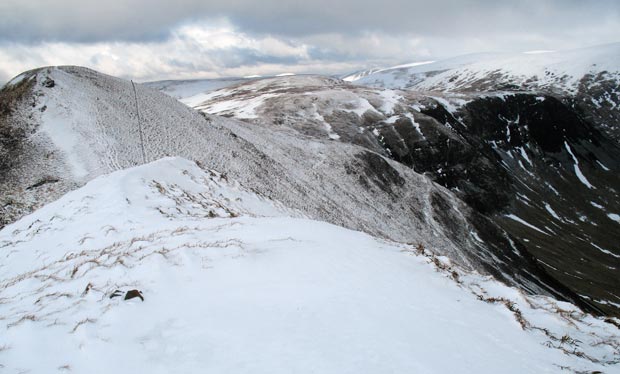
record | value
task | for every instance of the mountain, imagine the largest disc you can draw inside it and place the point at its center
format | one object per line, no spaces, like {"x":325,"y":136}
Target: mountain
{"x":586,"y":79}
{"x":228,"y":280}
{"x":68,"y":125}
{"x":527,"y":163}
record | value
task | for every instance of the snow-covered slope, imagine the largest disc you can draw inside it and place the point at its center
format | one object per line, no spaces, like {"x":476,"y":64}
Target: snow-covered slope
{"x":234,"y":282}
{"x":555,"y":70}
{"x":587,"y":78}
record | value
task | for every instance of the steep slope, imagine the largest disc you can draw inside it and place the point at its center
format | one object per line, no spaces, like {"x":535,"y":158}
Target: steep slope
{"x":231,"y":281}
{"x":527,"y":162}
{"x":586,"y":79}
{"x":68,"y":125}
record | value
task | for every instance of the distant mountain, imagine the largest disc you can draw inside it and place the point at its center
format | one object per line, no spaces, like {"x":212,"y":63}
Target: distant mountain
{"x":180,"y":89}
{"x":587,"y":79}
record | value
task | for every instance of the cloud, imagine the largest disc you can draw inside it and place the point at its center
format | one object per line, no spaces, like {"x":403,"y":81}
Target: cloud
{"x":151,"y":20}
{"x":154,"y":39}
{"x":209,"y":51}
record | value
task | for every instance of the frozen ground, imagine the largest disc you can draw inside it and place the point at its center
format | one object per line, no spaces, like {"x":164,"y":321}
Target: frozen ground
{"x":234,"y":282}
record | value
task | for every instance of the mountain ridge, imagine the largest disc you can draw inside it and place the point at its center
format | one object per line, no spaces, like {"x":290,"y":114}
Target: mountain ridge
{"x":345,"y":173}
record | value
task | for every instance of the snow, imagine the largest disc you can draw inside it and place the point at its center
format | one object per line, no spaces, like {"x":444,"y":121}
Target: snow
{"x":552,"y":212}
{"x":390,"y":99}
{"x":392,"y":120}
{"x":328,"y":128}
{"x":525,"y":156}
{"x":58,"y":127}
{"x":415,"y":124}
{"x":596,"y":205}
{"x":602,"y":166}
{"x":452,"y":105}
{"x":235,"y":282}
{"x":614,"y":217}
{"x":240,"y":108}
{"x":523,"y":222}
{"x":359,"y":75}
{"x":359,"y":106}
{"x":605,"y":251}
{"x":475,"y":235}
{"x":578,"y":172}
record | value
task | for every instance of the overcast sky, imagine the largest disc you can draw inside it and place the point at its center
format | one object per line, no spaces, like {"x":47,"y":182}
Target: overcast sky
{"x":157,"y":39}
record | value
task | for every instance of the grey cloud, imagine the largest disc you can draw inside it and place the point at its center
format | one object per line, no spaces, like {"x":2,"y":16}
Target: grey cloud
{"x":144,"y":20}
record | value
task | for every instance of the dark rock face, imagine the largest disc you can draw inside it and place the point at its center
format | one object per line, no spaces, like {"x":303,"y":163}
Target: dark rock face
{"x":542,"y":172}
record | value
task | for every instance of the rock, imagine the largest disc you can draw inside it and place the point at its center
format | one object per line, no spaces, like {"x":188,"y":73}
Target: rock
{"x":49,"y":82}
{"x":133,"y":294}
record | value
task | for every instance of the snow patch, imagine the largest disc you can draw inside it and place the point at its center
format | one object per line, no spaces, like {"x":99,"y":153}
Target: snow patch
{"x":523,"y":222}
{"x":602,"y":166}
{"x":578,"y":172}
{"x":552,"y":212}
{"x":605,"y":251}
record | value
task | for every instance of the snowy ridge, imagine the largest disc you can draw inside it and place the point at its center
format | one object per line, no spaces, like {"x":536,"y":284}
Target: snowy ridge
{"x":361,"y":74}
{"x":232,"y":282}
{"x":557,"y":70}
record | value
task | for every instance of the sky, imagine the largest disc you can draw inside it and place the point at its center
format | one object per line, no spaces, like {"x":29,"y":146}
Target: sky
{"x":155,"y":39}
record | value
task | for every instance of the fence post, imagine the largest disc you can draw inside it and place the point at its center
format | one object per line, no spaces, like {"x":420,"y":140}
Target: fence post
{"x":135,"y":94}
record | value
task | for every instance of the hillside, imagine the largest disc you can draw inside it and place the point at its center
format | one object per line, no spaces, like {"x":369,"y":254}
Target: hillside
{"x":233,"y":281}
{"x":85,"y":124}
{"x":526,"y":161}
